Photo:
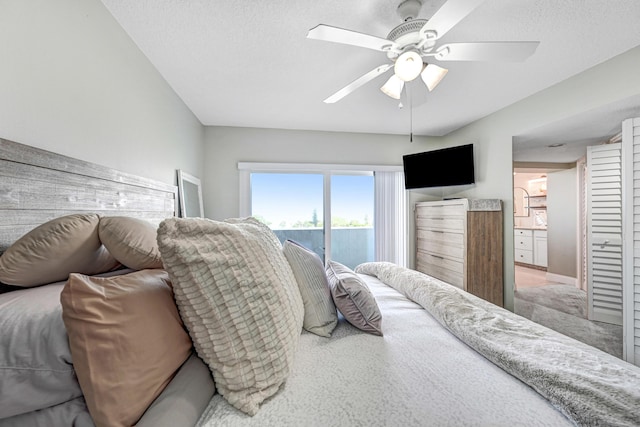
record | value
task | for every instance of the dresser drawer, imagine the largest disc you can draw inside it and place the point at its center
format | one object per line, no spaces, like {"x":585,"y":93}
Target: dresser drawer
{"x":523,"y":256}
{"x":455,"y":225}
{"x":441,"y":211}
{"x":519,"y":232}
{"x":443,"y":217}
{"x":450,"y":245}
{"x":444,"y":269}
{"x":525,"y":243}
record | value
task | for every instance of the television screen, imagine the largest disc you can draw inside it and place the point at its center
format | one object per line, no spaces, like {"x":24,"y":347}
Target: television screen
{"x":439,"y":168}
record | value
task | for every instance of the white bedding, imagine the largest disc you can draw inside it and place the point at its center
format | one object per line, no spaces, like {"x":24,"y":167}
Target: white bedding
{"x":588,"y":385}
{"x":417,"y":374}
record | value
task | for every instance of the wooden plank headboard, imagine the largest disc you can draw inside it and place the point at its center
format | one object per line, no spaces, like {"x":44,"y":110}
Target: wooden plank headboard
{"x":37,"y":186}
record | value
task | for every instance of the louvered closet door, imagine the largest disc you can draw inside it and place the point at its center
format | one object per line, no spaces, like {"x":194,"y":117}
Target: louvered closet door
{"x":604,"y":210}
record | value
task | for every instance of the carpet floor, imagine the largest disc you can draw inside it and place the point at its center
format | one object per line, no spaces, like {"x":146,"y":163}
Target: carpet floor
{"x":563,"y":308}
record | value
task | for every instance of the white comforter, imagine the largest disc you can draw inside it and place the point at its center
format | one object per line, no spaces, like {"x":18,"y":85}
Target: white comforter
{"x":417,"y":374}
{"x":590,"y":386}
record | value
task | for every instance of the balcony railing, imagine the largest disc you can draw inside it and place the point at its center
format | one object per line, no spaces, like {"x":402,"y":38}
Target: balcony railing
{"x":349,"y":245}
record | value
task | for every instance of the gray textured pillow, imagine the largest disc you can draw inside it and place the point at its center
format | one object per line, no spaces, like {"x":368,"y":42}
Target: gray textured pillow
{"x":320,"y":315}
{"x":131,"y":241}
{"x":238,"y":299}
{"x":353,"y":298}
{"x":53,"y":250}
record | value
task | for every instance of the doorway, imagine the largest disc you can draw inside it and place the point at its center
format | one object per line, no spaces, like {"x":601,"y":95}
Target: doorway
{"x":550,"y":257}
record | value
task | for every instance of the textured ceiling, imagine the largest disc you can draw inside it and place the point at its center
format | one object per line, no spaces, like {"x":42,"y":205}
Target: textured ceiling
{"x":249,"y":63}
{"x":566,"y":140}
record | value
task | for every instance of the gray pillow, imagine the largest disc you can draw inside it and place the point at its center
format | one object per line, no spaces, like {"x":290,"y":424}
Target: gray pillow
{"x":238,"y":299}
{"x":353,"y":298}
{"x":320,"y":315}
{"x":36,"y":369}
{"x":184,"y":400}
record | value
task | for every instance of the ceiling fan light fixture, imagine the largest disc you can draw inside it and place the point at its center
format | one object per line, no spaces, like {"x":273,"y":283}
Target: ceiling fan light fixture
{"x":393,"y":87}
{"x":408,"y":66}
{"x":432,"y":75}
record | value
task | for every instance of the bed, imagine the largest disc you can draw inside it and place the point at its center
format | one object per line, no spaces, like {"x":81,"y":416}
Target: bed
{"x":127,"y":336}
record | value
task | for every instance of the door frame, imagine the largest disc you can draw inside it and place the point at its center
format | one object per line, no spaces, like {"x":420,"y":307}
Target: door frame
{"x":628,"y":321}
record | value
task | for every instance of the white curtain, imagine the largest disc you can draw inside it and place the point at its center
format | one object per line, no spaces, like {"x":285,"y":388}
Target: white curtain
{"x":390,"y":218}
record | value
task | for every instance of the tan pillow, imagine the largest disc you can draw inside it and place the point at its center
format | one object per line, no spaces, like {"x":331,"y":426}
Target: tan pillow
{"x":131,"y":241}
{"x":127,"y":341}
{"x":49,"y":252}
{"x":353,"y":298}
{"x":320,"y":315}
{"x":238,"y":299}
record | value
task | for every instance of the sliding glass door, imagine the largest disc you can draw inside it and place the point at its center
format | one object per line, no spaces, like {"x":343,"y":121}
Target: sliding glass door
{"x":352,"y":234}
{"x":292,"y":205}
{"x":331,"y":214}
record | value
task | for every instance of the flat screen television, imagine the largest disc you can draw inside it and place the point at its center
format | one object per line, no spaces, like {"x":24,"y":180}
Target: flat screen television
{"x":439,"y":168}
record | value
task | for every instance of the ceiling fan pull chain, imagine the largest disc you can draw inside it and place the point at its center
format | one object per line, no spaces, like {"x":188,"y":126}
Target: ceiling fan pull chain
{"x":410,"y":114}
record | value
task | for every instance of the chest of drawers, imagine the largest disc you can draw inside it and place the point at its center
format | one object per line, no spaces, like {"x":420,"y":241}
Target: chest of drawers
{"x":460,"y":242}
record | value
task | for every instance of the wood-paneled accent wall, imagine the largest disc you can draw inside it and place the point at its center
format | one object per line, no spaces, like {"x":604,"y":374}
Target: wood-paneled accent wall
{"x":38,"y":185}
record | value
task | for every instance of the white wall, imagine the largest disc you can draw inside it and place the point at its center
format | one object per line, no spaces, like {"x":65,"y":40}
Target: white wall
{"x":562,"y":216}
{"x":73,"y":82}
{"x":606,"y":83}
{"x":226,"y":146}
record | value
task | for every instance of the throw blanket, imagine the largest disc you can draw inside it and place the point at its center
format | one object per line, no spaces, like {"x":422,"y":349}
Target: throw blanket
{"x":589,"y":386}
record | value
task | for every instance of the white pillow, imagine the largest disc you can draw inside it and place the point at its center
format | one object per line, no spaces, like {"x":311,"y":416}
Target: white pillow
{"x":238,"y":299}
{"x":320,"y":316}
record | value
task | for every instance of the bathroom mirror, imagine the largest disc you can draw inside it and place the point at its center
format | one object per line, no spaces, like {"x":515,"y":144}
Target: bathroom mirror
{"x":520,"y":202}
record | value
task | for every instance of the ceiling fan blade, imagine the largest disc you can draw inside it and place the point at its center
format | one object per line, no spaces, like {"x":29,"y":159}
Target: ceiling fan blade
{"x":357,"y":83}
{"x":452,"y":12}
{"x":487,"y":51}
{"x":353,"y":38}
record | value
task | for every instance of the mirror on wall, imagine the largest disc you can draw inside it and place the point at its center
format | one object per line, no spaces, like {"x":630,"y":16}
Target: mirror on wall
{"x":190,"y":196}
{"x":520,"y":202}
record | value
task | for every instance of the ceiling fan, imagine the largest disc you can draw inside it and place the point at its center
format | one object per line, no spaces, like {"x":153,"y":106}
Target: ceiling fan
{"x":410,"y":45}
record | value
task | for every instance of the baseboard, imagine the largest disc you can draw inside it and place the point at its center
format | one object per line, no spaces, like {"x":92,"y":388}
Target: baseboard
{"x":568,"y":280}
{"x":535,"y":267}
